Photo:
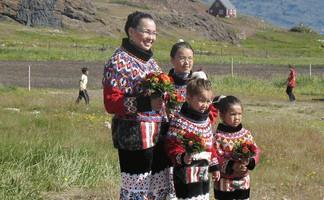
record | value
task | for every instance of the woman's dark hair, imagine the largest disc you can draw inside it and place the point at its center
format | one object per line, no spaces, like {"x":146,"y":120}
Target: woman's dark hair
{"x":223,"y":103}
{"x":134,"y":18}
{"x":178,"y":46}
{"x":196,"y":85}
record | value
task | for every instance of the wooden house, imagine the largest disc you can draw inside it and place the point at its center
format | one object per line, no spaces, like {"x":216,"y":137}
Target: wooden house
{"x":222,"y":8}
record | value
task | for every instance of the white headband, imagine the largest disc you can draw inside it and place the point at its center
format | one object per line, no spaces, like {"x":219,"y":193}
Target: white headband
{"x":199,"y":75}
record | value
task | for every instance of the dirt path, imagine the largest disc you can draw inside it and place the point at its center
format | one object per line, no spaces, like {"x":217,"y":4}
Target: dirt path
{"x":66,"y":74}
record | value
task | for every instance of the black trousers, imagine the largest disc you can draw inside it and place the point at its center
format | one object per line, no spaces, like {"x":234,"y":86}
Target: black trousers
{"x":83,"y":94}
{"x":290,"y":93}
{"x":237,"y":194}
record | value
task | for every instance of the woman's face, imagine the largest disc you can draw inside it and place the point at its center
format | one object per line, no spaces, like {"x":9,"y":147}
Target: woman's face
{"x":183,"y":60}
{"x":144,"y":35}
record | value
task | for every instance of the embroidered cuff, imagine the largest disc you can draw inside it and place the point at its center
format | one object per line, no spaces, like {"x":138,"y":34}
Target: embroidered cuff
{"x":143,"y":103}
{"x":130,"y":104}
{"x":179,"y":159}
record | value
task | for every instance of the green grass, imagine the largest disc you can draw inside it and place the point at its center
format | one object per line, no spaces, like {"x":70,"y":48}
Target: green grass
{"x":307,"y":88}
{"x":50,"y":147}
{"x":131,"y":4}
{"x":49,"y":144}
{"x":266,"y":47}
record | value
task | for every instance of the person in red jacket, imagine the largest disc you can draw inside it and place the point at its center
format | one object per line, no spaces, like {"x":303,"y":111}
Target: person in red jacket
{"x":137,"y":116}
{"x":291,"y":83}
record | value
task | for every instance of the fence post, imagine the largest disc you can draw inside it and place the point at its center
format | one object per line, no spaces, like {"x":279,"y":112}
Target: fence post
{"x":310,"y":70}
{"x":28,"y":77}
{"x":232,"y":67}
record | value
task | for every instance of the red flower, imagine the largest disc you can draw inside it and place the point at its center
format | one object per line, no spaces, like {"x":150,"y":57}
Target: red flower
{"x":192,"y":142}
{"x":165,"y":79}
{"x":180,"y":98}
{"x":243,"y":149}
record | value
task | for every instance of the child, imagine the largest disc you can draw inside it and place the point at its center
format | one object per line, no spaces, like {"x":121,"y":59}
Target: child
{"x":83,"y":86}
{"x":191,"y":169}
{"x":234,"y":182}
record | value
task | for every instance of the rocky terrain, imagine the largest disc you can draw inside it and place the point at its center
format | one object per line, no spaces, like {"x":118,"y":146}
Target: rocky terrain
{"x":174,"y":17}
{"x":53,"y":13}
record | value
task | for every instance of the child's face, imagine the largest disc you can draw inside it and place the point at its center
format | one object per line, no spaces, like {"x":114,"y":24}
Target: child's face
{"x":183,"y":60}
{"x":201,"y":102}
{"x":233,"y":117}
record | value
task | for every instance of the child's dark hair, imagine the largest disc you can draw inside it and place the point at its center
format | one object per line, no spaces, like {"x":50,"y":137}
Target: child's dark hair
{"x":196,"y":85}
{"x":134,"y":18}
{"x":84,"y":69}
{"x":223,"y":103}
{"x":178,"y":46}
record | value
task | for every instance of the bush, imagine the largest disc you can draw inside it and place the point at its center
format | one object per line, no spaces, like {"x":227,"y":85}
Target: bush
{"x":301,"y":28}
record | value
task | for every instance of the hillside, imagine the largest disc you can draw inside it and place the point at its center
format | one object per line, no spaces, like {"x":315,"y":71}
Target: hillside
{"x":286,"y":13}
{"x":175,"y":19}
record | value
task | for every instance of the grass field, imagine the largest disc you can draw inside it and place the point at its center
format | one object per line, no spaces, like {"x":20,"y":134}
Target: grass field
{"x":52,"y":149}
{"x":266,"y":47}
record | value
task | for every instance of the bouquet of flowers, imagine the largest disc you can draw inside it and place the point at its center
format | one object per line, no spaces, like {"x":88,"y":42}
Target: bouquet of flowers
{"x":192,"y":143}
{"x":243,"y":149}
{"x":160,"y":84}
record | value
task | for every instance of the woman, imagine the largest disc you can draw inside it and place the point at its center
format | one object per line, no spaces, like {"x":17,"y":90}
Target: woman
{"x":137,"y":118}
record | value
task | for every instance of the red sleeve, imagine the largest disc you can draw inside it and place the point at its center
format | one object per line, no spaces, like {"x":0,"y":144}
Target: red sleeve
{"x":174,"y":149}
{"x":213,"y":114}
{"x":114,"y":100}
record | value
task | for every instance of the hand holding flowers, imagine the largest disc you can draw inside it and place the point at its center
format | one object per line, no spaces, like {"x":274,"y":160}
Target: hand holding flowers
{"x":161,"y":85}
{"x":243,"y":150}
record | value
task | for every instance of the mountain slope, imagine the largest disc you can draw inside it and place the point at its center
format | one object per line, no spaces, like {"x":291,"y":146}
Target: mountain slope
{"x":185,"y":19}
{"x":286,"y":13}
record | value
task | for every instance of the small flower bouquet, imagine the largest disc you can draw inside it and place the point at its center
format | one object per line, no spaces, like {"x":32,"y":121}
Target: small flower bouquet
{"x":192,"y":143}
{"x":243,"y":150}
{"x":160,"y":84}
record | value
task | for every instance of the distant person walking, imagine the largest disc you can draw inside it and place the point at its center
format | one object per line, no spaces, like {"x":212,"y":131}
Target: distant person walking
{"x":83,"y":93}
{"x":291,"y":83}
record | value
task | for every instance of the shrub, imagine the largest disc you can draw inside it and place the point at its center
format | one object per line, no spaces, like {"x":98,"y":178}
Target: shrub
{"x":301,"y":28}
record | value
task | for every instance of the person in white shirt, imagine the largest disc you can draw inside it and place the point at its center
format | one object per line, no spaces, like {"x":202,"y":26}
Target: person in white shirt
{"x":83,"y":86}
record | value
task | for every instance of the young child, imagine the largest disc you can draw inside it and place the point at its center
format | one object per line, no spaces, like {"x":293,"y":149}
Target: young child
{"x":83,"y":86}
{"x":190,"y":173}
{"x":234,"y":182}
